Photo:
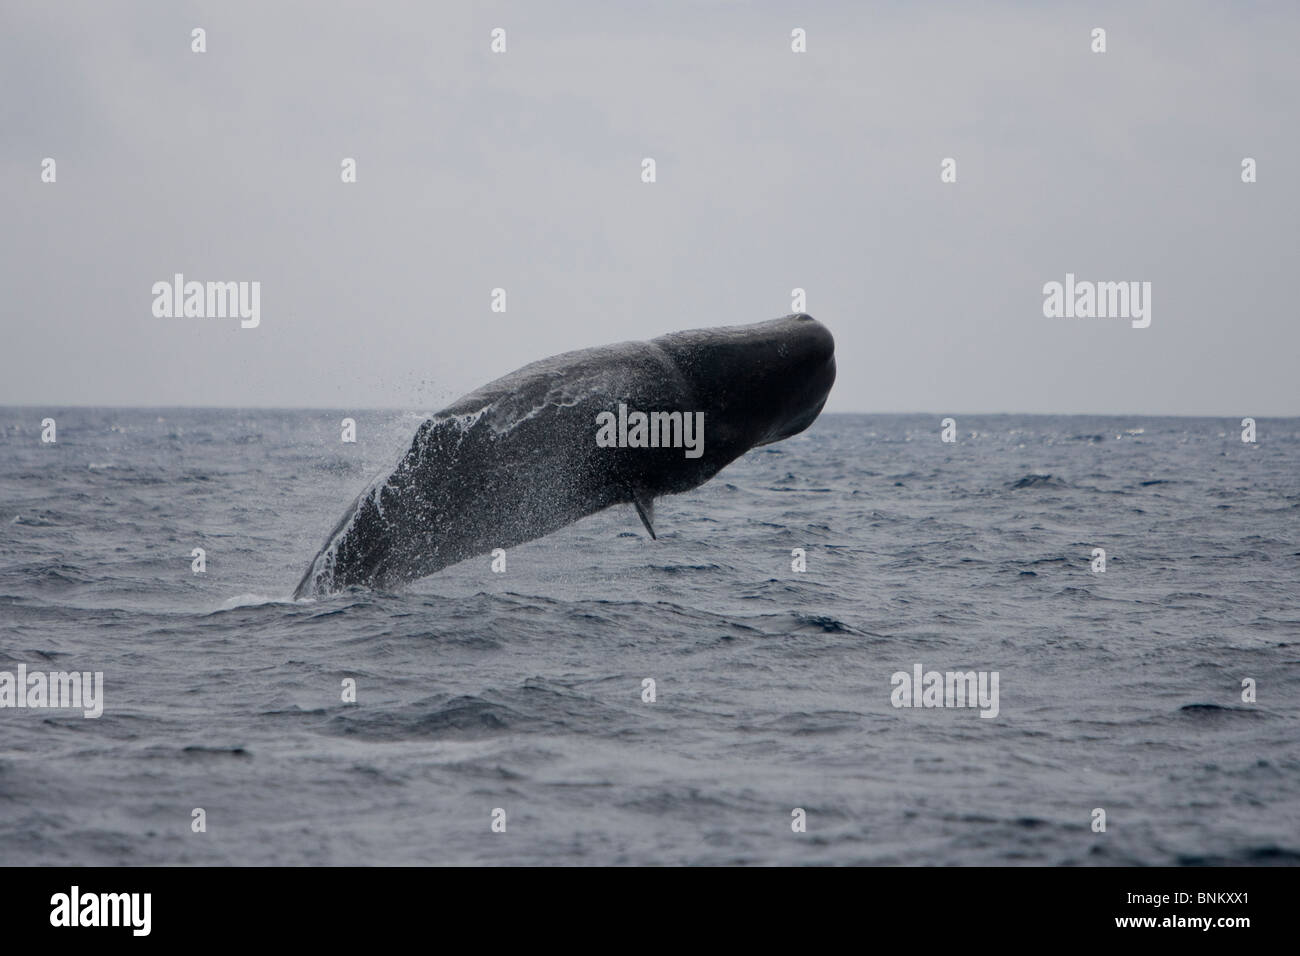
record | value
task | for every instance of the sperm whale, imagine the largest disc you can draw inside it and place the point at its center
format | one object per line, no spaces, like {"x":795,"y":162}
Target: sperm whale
{"x":571,"y":435}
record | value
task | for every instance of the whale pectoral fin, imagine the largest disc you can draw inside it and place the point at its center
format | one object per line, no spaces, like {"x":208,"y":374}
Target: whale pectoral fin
{"x":645,"y":509}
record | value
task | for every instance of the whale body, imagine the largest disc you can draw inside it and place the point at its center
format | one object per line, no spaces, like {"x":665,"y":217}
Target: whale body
{"x":532,"y":452}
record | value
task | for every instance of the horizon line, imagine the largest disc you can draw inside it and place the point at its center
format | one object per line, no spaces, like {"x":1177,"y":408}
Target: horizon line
{"x":407,"y":408}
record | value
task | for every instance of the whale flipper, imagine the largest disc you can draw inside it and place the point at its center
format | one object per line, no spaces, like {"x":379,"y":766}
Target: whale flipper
{"x":645,"y":509}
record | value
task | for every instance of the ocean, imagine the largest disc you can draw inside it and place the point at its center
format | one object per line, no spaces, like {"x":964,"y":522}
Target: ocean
{"x":507,"y":717}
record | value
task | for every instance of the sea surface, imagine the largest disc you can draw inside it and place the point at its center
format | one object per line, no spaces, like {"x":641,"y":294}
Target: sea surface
{"x":522,"y":691}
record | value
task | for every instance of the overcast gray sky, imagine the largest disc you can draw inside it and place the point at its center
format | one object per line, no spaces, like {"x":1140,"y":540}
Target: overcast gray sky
{"x":775,"y":170}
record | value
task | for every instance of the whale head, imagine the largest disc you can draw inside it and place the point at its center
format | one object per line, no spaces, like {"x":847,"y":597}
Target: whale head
{"x":759,"y":383}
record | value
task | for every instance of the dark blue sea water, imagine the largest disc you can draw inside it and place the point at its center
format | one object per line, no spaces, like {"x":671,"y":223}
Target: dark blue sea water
{"x":522,"y":691}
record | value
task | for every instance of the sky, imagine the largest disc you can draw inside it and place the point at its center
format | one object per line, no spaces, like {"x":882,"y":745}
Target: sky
{"x":774,"y":170}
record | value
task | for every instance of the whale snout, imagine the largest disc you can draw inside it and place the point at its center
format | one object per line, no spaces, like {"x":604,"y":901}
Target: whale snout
{"x":812,"y":358}
{"x":823,"y":343}
{"x":805,"y":366}
{"x":816,"y":345}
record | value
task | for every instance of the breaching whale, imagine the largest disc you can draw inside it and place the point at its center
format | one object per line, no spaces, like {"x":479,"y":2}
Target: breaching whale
{"x":523,"y":456}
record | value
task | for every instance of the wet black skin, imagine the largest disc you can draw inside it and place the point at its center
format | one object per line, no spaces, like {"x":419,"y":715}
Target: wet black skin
{"x":529,"y":464}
